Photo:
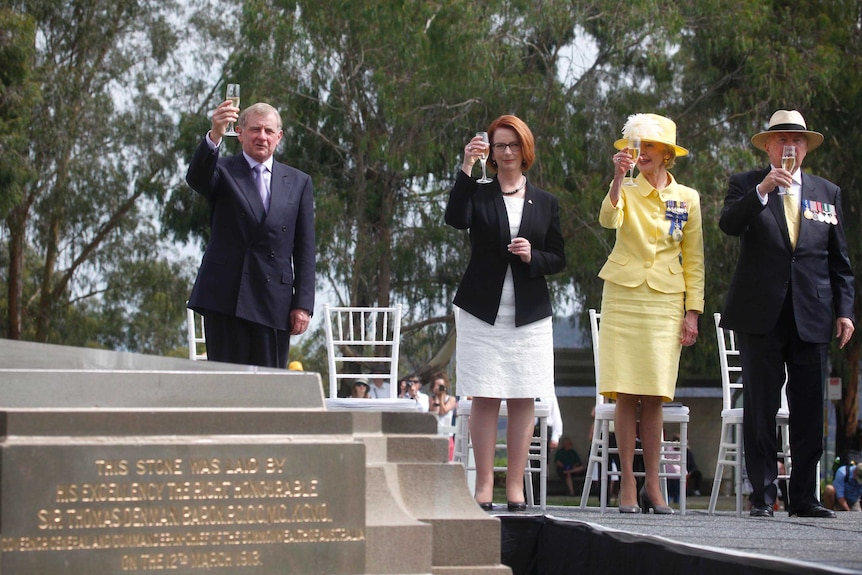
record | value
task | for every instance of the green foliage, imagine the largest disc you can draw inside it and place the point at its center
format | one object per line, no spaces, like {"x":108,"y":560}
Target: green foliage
{"x":18,"y":93}
{"x":80,"y":234}
{"x":378,"y":100}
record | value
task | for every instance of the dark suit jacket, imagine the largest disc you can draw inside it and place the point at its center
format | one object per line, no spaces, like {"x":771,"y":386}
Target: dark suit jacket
{"x":257,"y":266}
{"x":818,"y":269}
{"x":481,"y":209}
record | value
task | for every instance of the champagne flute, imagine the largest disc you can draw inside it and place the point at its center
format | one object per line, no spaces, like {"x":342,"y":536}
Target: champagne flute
{"x":232,"y":94}
{"x":483,"y":158}
{"x":634,"y":147}
{"x":788,"y":162}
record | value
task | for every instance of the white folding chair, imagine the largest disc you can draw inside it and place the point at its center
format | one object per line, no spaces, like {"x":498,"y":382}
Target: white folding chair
{"x":362,"y":337}
{"x":196,"y":336}
{"x":538,"y":449}
{"x":730,"y":447}
{"x":601,"y":449}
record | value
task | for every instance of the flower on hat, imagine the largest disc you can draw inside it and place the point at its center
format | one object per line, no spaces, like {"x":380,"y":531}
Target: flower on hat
{"x":653,"y":128}
{"x":643,"y":126}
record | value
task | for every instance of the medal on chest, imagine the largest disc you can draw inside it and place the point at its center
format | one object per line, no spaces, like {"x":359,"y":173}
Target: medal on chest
{"x":677,"y":212}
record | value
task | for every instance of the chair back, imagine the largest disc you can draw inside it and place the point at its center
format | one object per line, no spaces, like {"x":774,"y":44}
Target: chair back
{"x":196,"y":336}
{"x":729,"y":363}
{"x":361,"y":342}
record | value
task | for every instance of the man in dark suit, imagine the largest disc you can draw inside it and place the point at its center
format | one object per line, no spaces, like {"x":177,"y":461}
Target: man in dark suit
{"x":255,"y":286}
{"x":793,"y":276}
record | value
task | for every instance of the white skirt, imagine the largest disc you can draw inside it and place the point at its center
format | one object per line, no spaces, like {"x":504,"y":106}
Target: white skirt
{"x":502,"y":360}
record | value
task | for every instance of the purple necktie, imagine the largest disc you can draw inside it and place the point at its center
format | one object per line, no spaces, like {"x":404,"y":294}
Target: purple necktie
{"x":261,"y":186}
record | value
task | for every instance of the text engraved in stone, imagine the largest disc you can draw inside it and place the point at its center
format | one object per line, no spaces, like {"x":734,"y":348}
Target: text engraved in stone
{"x":176,"y":513}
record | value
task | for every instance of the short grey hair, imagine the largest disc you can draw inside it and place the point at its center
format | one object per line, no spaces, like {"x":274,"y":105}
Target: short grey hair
{"x":259,"y":109}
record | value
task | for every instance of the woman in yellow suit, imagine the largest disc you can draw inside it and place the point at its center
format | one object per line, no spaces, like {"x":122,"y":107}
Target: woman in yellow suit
{"x":653,"y":294}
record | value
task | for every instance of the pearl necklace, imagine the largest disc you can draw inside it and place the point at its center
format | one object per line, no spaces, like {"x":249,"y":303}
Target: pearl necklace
{"x":516,"y":190}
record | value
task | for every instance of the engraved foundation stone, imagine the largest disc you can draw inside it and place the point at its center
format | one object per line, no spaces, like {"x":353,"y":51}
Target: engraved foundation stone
{"x":120,"y":463}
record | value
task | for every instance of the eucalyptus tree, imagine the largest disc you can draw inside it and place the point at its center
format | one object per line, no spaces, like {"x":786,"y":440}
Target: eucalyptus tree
{"x":379,"y":99}
{"x":97,"y":153}
{"x":18,"y":95}
{"x":781,"y":55}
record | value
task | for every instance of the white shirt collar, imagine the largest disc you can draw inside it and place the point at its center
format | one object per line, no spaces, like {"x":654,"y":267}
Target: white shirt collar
{"x":252,"y":162}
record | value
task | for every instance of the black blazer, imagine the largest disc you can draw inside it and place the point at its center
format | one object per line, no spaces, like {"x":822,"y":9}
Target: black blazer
{"x":257,"y":266}
{"x":818,"y":270}
{"x":481,"y":209}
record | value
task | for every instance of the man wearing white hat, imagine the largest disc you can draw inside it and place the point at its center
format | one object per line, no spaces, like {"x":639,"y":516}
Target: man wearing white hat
{"x":793,"y":276}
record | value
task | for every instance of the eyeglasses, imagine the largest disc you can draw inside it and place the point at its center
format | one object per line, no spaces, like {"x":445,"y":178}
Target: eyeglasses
{"x":500,"y":148}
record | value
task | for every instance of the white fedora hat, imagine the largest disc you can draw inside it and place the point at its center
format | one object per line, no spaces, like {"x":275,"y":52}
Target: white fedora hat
{"x":787,"y":121}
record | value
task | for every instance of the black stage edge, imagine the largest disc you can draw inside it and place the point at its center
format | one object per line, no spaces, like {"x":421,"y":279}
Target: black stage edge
{"x":541,"y":545}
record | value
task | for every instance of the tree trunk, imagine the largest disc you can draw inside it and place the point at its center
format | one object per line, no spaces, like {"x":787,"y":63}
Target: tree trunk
{"x":17,"y":222}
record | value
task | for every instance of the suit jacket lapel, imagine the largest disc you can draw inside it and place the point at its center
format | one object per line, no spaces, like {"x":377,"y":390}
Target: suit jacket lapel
{"x":280,"y":186}
{"x":502,"y":217}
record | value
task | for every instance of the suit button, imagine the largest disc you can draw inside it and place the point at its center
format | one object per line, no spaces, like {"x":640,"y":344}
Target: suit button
{"x":647,"y":265}
{"x":271,"y":255}
{"x":284,"y":228}
{"x":267,"y":279}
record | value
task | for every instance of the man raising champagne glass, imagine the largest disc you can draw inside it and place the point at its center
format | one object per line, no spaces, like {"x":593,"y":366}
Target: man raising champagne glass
{"x":255,"y":285}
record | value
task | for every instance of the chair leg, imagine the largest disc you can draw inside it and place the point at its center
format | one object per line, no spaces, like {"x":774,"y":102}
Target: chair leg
{"x":603,"y":471}
{"x":740,"y":467}
{"x":726,"y":431}
{"x":591,"y":465}
{"x":683,"y":464}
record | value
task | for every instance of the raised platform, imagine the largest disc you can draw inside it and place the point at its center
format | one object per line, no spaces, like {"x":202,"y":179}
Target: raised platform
{"x":568,"y":540}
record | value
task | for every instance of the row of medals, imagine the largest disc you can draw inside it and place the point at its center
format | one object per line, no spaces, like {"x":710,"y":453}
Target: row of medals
{"x":820,"y":212}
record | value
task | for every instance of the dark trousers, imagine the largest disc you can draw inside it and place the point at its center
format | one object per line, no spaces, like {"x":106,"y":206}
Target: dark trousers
{"x":234,"y":340}
{"x":764,"y":358}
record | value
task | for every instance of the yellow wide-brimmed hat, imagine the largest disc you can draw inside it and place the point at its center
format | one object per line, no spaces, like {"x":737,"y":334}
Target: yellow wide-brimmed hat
{"x":650,"y":127}
{"x":787,"y":121}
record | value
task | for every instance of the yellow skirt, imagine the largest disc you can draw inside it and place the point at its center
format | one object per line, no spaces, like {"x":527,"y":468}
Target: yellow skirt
{"x":639,"y":341}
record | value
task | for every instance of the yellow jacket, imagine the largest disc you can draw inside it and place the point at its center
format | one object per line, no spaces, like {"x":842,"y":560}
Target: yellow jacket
{"x":645,"y":247}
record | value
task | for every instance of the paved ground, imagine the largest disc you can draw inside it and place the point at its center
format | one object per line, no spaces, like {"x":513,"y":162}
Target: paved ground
{"x":832,"y":544}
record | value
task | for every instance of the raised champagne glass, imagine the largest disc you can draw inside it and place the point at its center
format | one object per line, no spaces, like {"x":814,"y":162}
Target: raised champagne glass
{"x":788,"y":162}
{"x":232,"y":94}
{"x":483,"y":157}
{"x":634,"y":147}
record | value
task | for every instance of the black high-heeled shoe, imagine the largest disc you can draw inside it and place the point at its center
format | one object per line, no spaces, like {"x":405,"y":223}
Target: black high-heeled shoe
{"x":489,"y":506}
{"x":647,"y":504}
{"x":522,"y":506}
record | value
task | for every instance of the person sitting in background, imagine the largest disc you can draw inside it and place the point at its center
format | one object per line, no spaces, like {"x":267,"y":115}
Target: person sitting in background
{"x":568,"y":463}
{"x":693,"y":476}
{"x":360,"y":389}
{"x":846,"y":489}
{"x":379,"y":385}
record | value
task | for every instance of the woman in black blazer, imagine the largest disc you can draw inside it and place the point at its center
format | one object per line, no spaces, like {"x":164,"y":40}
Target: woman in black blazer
{"x":503,"y":307}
